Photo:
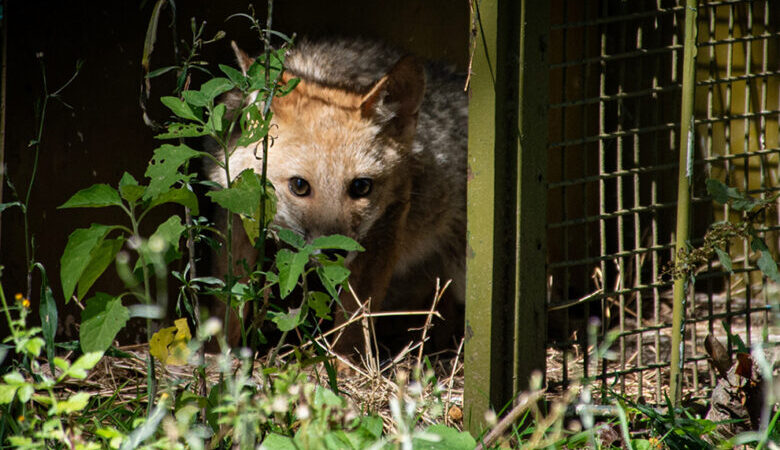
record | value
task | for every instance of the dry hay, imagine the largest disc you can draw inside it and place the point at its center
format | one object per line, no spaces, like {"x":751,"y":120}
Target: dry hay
{"x":368,"y":385}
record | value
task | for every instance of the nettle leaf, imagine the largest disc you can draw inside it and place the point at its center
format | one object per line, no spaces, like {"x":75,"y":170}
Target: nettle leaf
{"x":99,"y":259}
{"x":243,"y":197}
{"x":178,"y":130}
{"x":129,"y":188}
{"x":182,"y":196}
{"x":291,"y":237}
{"x":337,"y":242}
{"x":288,"y":321}
{"x":101,"y":320}
{"x":236,"y":77}
{"x":291,"y":266}
{"x":724,"y":194}
{"x":180,"y":108}
{"x":164,"y":169}
{"x":77,"y":255}
{"x":215,"y":86}
{"x":725,"y":259}
{"x":95,"y":196}
{"x":765,"y":262}
{"x":320,"y":303}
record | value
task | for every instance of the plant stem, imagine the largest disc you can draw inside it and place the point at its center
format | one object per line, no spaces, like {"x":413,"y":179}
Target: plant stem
{"x":150,"y":375}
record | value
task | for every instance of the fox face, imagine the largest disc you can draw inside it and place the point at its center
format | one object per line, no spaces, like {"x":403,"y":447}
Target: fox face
{"x":340,"y":159}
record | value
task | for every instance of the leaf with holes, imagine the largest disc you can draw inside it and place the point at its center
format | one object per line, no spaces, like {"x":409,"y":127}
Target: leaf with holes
{"x":287,"y":321}
{"x":164,"y":169}
{"x":291,"y":266}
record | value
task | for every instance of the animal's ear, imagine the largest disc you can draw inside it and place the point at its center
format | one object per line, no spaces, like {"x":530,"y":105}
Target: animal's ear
{"x":400,"y":94}
{"x":244,"y":60}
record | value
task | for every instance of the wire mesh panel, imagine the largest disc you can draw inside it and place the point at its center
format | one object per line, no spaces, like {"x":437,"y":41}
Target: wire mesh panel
{"x":614,"y":122}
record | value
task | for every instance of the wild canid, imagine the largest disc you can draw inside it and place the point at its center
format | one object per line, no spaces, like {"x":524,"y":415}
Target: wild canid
{"x":371,"y":144}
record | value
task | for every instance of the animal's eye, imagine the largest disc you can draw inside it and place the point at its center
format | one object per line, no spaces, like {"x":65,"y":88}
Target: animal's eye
{"x":299,"y":187}
{"x":360,"y":187}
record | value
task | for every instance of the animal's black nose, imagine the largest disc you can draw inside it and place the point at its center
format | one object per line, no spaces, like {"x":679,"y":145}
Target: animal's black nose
{"x":333,"y":253}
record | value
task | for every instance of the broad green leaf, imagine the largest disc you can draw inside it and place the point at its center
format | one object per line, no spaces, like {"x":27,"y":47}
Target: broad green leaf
{"x":95,"y":196}
{"x":243,"y":197}
{"x":325,"y":397}
{"x":215,"y":86}
{"x":129,"y":188}
{"x":182,"y":196}
{"x":291,"y":266}
{"x":725,"y":259}
{"x":164,"y":169}
{"x":235,"y":76}
{"x":319,"y":302}
{"x":25,"y":392}
{"x":288,"y":321}
{"x":291,"y":237}
{"x":180,"y":108}
{"x":101,"y":320}
{"x":14,"y":378}
{"x":331,"y":276}
{"x":100,"y":258}
{"x":178,"y":130}
{"x":84,"y":363}
{"x":75,"y":403}
{"x":448,"y":439}
{"x":34,"y":346}
{"x":275,"y":441}
{"x":7,"y":393}
{"x":195,"y":98}
{"x":337,"y":241}
{"x":215,"y":119}
{"x":77,"y":255}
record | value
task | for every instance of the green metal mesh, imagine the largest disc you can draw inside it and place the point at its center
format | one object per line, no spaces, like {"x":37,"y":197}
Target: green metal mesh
{"x":614,"y":122}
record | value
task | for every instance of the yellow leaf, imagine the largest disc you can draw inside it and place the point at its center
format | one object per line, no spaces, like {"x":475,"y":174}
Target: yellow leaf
{"x":169,"y":345}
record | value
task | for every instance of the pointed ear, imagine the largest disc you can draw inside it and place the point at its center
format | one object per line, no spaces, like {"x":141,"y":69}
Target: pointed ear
{"x":244,"y":61}
{"x":400,"y":93}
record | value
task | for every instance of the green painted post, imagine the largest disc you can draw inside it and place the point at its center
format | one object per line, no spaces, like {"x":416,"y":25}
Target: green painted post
{"x":505,"y":306}
{"x":530,"y":317}
{"x":683,"y":194}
